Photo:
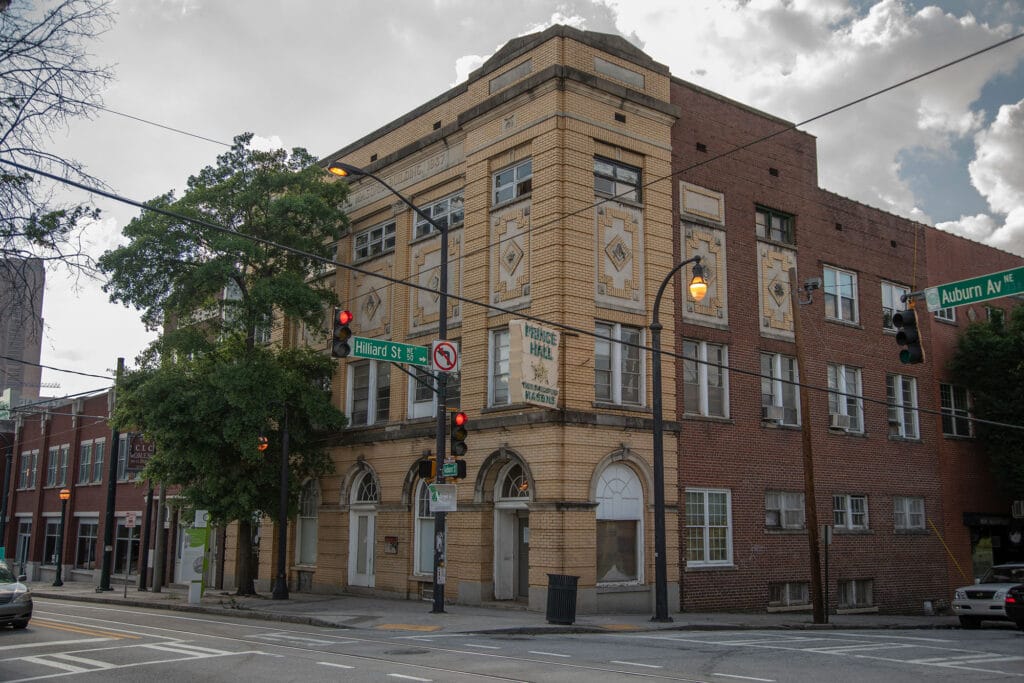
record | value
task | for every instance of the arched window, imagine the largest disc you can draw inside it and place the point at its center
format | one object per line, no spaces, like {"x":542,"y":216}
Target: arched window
{"x":365,"y":490}
{"x":514,"y":485}
{"x":306,"y":526}
{"x":620,"y":507}
{"x":424,"y":531}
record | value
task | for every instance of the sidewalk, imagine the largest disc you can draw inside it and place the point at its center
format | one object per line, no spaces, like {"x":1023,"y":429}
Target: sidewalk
{"x":382,"y":614}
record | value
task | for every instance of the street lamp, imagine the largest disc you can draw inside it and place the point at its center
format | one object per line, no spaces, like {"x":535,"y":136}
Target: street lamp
{"x":344,"y":170}
{"x":698,"y":288}
{"x":64,"y":495}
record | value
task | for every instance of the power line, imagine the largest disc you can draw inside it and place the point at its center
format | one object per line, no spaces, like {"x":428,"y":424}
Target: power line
{"x":50,"y":367}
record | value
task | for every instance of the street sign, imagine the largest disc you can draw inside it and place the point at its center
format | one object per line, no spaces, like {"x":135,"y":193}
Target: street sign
{"x":450,"y":469}
{"x":395,"y":352}
{"x":444,"y":356}
{"x":975,"y":289}
{"x":442,"y":497}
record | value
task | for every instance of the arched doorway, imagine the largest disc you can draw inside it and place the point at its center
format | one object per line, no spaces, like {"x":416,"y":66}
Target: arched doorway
{"x":364,"y":497}
{"x":512,"y":533}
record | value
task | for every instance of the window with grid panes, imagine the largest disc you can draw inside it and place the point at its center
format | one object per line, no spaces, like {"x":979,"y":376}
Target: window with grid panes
{"x":956,"y":411}
{"x":51,"y":541}
{"x":424,"y":532}
{"x":845,"y":395}
{"x":789,"y":594}
{"x":618,"y":369}
{"x":306,"y":524}
{"x":85,"y":462}
{"x":705,"y":379}
{"x":620,"y":513}
{"x":498,"y":377}
{"x":51,"y":466}
{"x":891,"y":303}
{"x":850,"y":512}
{"x":908,"y":513}
{"x":779,"y":388}
{"x":840,"y":295}
{"x":901,"y":397}
{"x":513,"y":182}
{"x":369,"y":393}
{"x":946,"y":314}
{"x":375,"y":241}
{"x":612,"y":179}
{"x":98,"y":454}
{"x":783,"y":510}
{"x":774,"y":225}
{"x":446,"y":213}
{"x":708,"y":528}
{"x":856,"y":593}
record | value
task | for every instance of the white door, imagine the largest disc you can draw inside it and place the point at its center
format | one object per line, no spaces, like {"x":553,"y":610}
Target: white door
{"x":360,"y":548}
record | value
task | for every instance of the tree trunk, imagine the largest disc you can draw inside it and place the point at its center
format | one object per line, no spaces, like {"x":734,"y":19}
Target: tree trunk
{"x":244,"y":574}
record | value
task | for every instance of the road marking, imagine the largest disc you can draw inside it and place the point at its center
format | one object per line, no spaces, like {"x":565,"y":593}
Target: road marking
{"x":186,"y":649}
{"x":43,"y":661}
{"x":305,"y":640}
{"x":547,"y":654}
{"x":83,"y":660}
{"x":411,"y":678}
{"x":843,"y":649}
{"x":84,"y":630}
{"x":406,"y":627}
{"x":79,"y":641}
{"x":646,"y":666}
{"x":745,"y":678}
{"x":337,"y":666}
{"x":482,"y":647}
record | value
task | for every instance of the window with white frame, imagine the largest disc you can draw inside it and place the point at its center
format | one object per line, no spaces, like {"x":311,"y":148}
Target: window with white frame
{"x":844,"y":398}
{"x":62,"y":464}
{"x":618,"y":366}
{"x":85,"y":543}
{"x":24,"y":541}
{"x":422,"y":397}
{"x":513,"y":182}
{"x":708,"y":528}
{"x":901,"y":397}
{"x":447,"y":213}
{"x":124,"y":445}
{"x":126,"y":547}
{"x":369,"y":393}
{"x":51,"y":541}
{"x":515,"y":484}
{"x":51,"y":466}
{"x":856,"y":593}
{"x":705,"y":379}
{"x":774,"y":225}
{"x":780,"y":396}
{"x":307,"y":522}
{"x":612,"y":179}
{"x":908,"y":513}
{"x":840,"y":295}
{"x":375,"y":241}
{"x":850,"y":511}
{"x":85,"y":462}
{"x":28,"y":469}
{"x":892,"y":303}
{"x":784,"y":510}
{"x":956,"y":411}
{"x":99,"y":446}
{"x":424,"y":531}
{"x":946,"y":314}
{"x":620,"y":514}
{"x":498,"y":377}
{"x":788,"y":594}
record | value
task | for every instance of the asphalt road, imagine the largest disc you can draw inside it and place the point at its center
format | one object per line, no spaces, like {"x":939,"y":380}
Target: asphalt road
{"x":93,"y":642}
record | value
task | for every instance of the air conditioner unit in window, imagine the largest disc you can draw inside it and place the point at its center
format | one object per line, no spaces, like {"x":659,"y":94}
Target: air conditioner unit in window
{"x":838,"y":421}
{"x":771,"y":413}
{"x":1018,"y":509}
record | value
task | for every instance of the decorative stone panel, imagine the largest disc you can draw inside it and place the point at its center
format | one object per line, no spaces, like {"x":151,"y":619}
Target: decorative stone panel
{"x":701,"y":202}
{"x":619,"y":254}
{"x":425,"y":270}
{"x":510,"y":256}
{"x":371,"y":298}
{"x":774,"y":302}
{"x":709,"y":244}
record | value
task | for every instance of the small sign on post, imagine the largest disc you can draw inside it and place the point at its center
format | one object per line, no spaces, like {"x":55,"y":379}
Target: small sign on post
{"x":442,"y":497}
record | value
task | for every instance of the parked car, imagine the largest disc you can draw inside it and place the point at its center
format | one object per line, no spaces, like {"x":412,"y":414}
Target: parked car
{"x":1015,"y":605}
{"x":987,"y":598}
{"x":15,"y":599}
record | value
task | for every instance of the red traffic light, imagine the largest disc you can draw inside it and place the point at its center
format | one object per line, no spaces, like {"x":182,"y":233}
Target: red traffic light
{"x":459,"y":419}
{"x":458,"y":434}
{"x":261,"y":443}
{"x":344,"y":317}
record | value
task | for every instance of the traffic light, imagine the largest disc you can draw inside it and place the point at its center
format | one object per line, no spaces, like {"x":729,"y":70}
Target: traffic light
{"x":458,"y":434}
{"x":342,"y":333}
{"x":907,"y":335}
{"x":427,"y":468}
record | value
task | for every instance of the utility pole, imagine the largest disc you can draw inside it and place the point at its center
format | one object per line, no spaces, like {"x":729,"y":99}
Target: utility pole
{"x":810,"y":500}
{"x":108,"y":523}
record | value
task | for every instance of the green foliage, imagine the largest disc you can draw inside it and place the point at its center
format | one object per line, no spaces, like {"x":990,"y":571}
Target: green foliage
{"x":206,"y":390}
{"x":989,"y":362}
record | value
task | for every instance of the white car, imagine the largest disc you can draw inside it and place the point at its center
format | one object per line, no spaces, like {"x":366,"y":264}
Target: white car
{"x":987,"y":598}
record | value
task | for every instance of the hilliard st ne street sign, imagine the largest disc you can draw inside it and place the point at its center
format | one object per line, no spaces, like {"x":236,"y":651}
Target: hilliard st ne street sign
{"x":975,"y":289}
{"x":395,"y":352}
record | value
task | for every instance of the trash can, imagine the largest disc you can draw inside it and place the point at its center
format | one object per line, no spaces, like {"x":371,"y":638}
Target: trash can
{"x":561,"y":599}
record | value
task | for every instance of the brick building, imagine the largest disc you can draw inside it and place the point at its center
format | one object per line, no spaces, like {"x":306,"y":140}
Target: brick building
{"x":573,"y":173}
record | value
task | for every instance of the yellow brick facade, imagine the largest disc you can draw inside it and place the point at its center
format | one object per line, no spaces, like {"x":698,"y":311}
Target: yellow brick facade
{"x":559,"y":106}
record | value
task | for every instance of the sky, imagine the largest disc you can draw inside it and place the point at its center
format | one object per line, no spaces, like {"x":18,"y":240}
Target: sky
{"x":947,"y":150}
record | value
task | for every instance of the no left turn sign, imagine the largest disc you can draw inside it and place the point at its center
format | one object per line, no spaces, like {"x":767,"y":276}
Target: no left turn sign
{"x":444,"y":356}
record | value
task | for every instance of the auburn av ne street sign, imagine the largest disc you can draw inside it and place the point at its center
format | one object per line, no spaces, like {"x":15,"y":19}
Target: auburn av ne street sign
{"x":975,"y":289}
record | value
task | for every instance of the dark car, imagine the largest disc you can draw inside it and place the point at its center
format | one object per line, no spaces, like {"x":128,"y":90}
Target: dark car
{"x":1015,"y":605}
{"x":15,"y":599}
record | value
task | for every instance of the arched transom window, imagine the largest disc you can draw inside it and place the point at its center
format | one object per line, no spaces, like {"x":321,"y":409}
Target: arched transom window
{"x":365,"y":490}
{"x":620,"y":507}
{"x":514,"y":484}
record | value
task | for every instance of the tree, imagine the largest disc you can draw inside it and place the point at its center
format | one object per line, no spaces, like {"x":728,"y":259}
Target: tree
{"x":237,"y":254}
{"x":46,"y":80}
{"x":989,"y":362}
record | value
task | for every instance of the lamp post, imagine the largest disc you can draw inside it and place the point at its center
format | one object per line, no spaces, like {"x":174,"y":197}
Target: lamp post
{"x":344,"y":171}
{"x":698,"y":288}
{"x":280,"y":590}
{"x":65,"y":494}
